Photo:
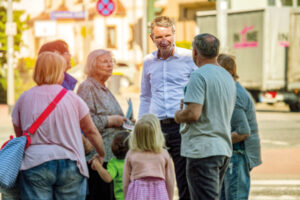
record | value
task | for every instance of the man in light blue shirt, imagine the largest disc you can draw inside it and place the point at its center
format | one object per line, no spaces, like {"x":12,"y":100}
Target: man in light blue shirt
{"x":165,"y":73}
{"x":209,"y":101}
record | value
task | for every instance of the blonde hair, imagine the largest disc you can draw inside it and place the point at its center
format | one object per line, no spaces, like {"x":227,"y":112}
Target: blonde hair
{"x":228,"y":63}
{"x":162,"y":21}
{"x":91,"y":64}
{"x":49,"y":68}
{"x":147,"y":135}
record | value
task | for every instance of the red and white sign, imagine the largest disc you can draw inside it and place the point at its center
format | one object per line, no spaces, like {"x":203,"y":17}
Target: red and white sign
{"x":106,"y":7}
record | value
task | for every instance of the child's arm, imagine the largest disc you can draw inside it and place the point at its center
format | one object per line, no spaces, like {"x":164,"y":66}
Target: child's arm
{"x":170,"y":177}
{"x":103,"y":173}
{"x":126,"y":174}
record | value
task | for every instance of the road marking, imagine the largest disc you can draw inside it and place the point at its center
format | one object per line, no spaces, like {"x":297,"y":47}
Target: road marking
{"x":284,"y":197}
{"x":280,"y":143}
{"x":275,"y":182}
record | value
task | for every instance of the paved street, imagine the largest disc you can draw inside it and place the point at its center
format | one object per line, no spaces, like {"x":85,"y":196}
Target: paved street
{"x":278,"y":178}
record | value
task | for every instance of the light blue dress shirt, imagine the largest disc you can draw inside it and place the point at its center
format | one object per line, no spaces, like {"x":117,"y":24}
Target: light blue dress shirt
{"x":163,"y":82}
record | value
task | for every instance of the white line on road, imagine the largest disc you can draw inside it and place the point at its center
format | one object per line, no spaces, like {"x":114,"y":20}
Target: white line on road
{"x":275,"y":142}
{"x":275,"y":182}
{"x":284,"y":197}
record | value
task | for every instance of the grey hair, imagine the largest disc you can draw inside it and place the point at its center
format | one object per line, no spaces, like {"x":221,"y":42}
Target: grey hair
{"x":162,"y":21}
{"x":91,"y":62}
{"x":207,"y":45}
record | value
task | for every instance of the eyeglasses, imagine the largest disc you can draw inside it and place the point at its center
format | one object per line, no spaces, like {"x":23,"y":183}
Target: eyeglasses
{"x":106,"y":61}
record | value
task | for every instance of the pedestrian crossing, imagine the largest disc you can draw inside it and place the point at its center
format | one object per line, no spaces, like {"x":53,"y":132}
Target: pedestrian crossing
{"x":275,"y":190}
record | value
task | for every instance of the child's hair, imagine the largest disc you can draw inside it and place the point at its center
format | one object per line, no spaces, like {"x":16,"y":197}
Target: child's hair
{"x":119,"y":145}
{"x":147,"y":135}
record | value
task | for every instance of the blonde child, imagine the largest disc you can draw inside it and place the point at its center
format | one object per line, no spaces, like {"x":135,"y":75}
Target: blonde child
{"x":114,"y":169}
{"x":148,"y":170}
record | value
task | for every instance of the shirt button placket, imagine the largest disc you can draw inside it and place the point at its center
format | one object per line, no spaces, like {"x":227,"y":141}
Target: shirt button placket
{"x":165,"y":88}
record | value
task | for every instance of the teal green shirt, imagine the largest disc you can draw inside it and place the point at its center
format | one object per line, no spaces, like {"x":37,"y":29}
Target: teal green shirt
{"x":212,"y":87}
{"x":115,"y":169}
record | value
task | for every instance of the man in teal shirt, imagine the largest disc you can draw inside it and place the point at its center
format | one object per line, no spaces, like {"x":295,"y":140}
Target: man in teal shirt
{"x":209,"y":101}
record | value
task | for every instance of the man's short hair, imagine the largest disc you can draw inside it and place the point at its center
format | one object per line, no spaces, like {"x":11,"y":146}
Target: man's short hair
{"x":56,"y":45}
{"x":162,"y":21}
{"x":49,"y":68}
{"x":207,"y":45}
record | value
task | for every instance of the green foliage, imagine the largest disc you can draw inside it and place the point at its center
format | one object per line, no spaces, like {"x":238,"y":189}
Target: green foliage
{"x":184,"y":44}
{"x":21,"y":26}
{"x":23,"y":76}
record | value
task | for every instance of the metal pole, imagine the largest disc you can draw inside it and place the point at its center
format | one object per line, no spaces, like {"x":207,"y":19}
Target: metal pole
{"x":86,"y":23}
{"x":145,"y":27}
{"x":10,"y":50}
{"x":295,"y":4}
{"x":222,"y":23}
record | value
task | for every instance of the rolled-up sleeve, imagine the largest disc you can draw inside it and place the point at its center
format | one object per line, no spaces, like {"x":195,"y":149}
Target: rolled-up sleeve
{"x":239,"y":121}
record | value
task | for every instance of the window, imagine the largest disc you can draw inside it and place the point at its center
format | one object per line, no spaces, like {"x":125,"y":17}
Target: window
{"x":131,"y":40}
{"x":111,"y":41}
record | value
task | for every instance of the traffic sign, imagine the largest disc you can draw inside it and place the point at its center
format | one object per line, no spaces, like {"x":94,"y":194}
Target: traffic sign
{"x":106,"y":7}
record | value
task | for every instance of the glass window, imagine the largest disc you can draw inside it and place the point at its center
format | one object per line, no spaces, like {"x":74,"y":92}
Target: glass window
{"x":111,"y":41}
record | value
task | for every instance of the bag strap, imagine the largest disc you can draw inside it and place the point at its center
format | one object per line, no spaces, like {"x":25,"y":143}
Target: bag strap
{"x":43,"y":116}
{"x":47,"y":111}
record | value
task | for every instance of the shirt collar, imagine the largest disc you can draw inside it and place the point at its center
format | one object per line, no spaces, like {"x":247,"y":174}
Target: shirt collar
{"x":69,"y":82}
{"x":176,"y":54}
{"x":97,"y":83}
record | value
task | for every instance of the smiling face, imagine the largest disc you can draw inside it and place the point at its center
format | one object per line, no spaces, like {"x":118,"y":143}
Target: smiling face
{"x":105,"y":65}
{"x":163,"y":38}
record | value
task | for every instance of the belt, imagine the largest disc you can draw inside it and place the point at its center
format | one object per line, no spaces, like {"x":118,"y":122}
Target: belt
{"x":167,"y":121}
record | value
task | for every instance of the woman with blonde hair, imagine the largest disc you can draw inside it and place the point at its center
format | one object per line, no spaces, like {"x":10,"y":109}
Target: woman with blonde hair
{"x":54,"y":165}
{"x":148,"y":169}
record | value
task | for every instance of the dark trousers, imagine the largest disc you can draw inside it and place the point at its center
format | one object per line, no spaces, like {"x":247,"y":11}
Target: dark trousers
{"x":173,"y":141}
{"x":205,"y":176}
{"x":97,"y":188}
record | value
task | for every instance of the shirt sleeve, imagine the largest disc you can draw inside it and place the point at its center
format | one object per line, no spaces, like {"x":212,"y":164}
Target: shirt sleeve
{"x":195,"y":90}
{"x":239,"y":121}
{"x":145,"y":96}
{"x":87,"y":94}
{"x":111,"y":169}
{"x":170,"y":176}
{"x":82,"y":107}
{"x":15,"y":116}
{"x":126,"y":173}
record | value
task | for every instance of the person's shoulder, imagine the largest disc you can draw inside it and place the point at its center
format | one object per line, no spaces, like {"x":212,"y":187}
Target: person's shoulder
{"x":243,"y":95}
{"x":150,"y":57}
{"x":86,"y":84}
{"x":183,"y":51}
{"x":165,"y":153}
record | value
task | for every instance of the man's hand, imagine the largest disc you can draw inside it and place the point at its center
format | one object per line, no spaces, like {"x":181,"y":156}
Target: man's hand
{"x":181,"y":104}
{"x":177,"y":118}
